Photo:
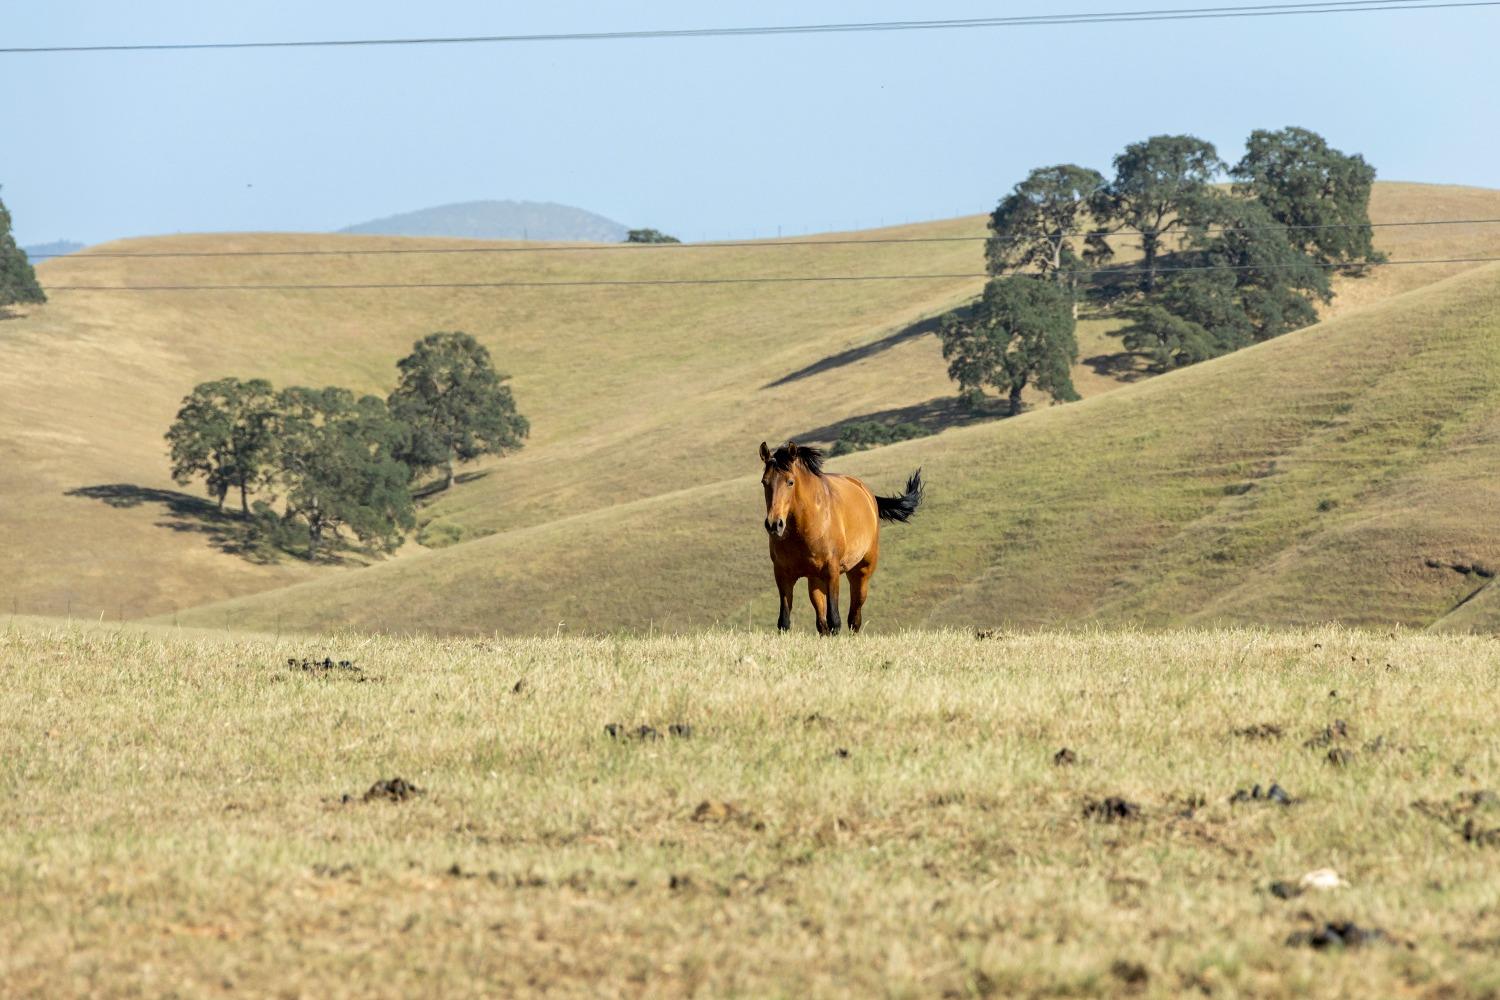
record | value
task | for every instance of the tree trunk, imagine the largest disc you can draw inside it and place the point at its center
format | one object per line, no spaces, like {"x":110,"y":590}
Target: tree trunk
{"x":1015,"y":398}
{"x":223,"y":492}
{"x":244,"y":501}
{"x":314,"y":534}
{"x":448,"y":474}
{"x":1148,"y":259}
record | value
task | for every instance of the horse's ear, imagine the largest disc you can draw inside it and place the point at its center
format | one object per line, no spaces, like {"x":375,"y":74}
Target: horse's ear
{"x":791,"y":448}
{"x":765,"y":453}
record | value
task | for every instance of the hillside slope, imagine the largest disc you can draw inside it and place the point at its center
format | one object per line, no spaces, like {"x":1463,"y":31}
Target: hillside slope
{"x":90,"y":381}
{"x":634,"y":392}
{"x":1314,"y":477}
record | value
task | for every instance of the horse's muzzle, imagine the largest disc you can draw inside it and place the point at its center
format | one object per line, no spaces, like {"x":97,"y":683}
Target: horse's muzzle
{"x":776,"y":527}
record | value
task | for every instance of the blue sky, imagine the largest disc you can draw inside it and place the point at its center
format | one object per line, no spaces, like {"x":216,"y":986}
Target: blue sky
{"x":704,"y":138}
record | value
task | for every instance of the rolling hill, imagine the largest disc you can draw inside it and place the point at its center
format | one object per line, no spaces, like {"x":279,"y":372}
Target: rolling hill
{"x":635,"y":502}
{"x":497,"y":220}
{"x":1335,"y":473}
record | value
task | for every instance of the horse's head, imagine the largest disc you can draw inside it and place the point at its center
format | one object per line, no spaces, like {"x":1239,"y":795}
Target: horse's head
{"x":784,"y":469}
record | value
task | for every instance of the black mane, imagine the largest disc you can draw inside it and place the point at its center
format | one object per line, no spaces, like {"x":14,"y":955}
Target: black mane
{"x":783,"y":457}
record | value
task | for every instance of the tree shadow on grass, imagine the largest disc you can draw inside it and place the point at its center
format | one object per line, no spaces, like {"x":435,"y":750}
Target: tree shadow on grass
{"x":933,"y":416}
{"x":911,"y":331}
{"x":225,"y":531}
{"x":1122,"y":366}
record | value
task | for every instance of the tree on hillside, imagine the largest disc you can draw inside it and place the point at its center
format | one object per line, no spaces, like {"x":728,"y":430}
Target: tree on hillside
{"x":1242,"y":282}
{"x":223,"y":432}
{"x":455,"y":404}
{"x":337,"y":461}
{"x":1323,"y":195}
{"x":1037,"y":224}
{"x":1156,"y":182}
{"x":18,"y":282}
{"x":649,"y":236}
{"x":1019,"y":333}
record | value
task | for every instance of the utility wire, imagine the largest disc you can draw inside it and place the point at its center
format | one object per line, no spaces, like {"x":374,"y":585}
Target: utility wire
{"x":723,"y":245}
{"x":1168,"y":14}
{"x":792,"y":279}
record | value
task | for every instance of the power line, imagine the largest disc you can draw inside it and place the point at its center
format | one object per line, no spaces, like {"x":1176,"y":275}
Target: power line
{"x":789,"y":279}
{"x":724,"y":245}
{"x":1037,"y":20}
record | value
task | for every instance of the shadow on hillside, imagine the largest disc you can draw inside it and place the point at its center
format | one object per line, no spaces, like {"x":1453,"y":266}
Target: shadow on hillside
{"x":935,"y":415}
{"x":920,"y":328}
{"x":1122,"y":366}
{"x":225,"y":531}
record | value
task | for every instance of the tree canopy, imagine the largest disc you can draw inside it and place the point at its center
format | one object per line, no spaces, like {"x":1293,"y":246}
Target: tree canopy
{"x":1037,"y":224}
{"x":1241,"y":281}
{"x":1157,"y":182}
{"x":649,"y":236}
{"x":223,"y":433}
{"x":18,"y":282}
{"x":1019,"y":333}
{"x":338,"y":465}
{"x":456,"y":405}
{"x":1321,"y":194}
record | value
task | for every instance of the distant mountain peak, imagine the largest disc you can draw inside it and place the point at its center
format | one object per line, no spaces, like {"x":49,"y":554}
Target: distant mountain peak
{"x":38,"y":252}
{"x":498,"y":220}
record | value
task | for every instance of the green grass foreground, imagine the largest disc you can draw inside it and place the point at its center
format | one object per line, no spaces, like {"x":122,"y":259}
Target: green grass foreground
{"x":876,"y":816}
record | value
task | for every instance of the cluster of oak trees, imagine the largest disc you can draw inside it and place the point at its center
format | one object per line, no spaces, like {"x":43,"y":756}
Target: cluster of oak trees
{"x":1221,"y":266}
{"x":327,"y":460}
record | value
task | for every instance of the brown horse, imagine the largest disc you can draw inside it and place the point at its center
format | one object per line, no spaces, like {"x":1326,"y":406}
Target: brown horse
{"x":824,"y":525}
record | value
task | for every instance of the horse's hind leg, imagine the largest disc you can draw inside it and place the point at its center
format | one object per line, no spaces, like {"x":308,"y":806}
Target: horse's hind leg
{"x":859,"y":589}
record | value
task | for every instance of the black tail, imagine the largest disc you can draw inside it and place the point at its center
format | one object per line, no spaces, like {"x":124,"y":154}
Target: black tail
{"x":903,"y":507}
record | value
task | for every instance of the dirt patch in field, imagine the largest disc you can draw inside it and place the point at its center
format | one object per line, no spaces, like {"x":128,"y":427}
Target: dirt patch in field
{"x":1111,"y":809}
{"x":1259,"y":731}
{"x":646,"y":734}
{"x":1474,"y":816}
{"x":1064,"y":758}
{"x":388,"y":790}
{"x":326,"y":666}
{"x":1274,"y":795}
{"x":1339,"y":934}
{"x":1328,"y":735}
{"x":1133,"y":975}
{"x":714,"y":811}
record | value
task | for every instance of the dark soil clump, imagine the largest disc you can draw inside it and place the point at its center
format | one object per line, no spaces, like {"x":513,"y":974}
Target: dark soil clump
{"x":1111,"y":809}
{"x":390,"y":790}
{"x":1474,"y":816}
{"x":1259,"y":731}
{"x":1275,"y":794}
{"x":1330,"y":734}
{"x":1339,"y":757}
{"x":325,"y":666}
{"x":1132,"y":974}
{"x":646,"y":734}
{"x":1064,"y":758}
{"x":1338,"y":934}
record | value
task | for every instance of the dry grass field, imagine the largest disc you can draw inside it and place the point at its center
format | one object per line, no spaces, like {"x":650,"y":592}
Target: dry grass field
{"x":183,"y":813}
{"x":643,"y":401}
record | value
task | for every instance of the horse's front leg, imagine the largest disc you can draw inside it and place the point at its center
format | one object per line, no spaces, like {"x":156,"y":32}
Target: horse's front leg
{"x":823,"y":588}
{"x":786,"y":585}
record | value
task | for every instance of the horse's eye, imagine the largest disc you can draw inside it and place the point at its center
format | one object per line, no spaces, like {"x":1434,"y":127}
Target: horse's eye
{"x":791,"y":482}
